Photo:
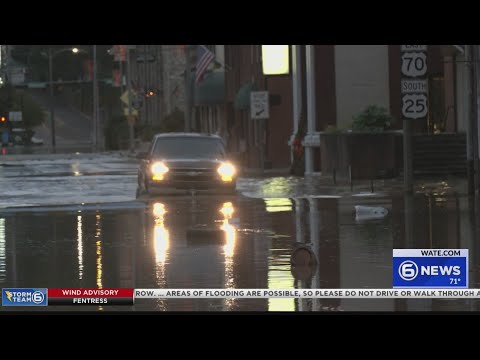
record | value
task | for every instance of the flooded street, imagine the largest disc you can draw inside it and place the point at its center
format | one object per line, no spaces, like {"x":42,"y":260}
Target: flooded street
{"x":71,"y":223}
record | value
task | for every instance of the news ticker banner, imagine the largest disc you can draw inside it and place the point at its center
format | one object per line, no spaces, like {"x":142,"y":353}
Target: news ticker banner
{"x":112,"y":297}
{"x":441,"y":271}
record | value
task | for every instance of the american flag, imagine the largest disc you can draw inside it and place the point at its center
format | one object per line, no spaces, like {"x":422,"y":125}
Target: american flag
{"x":204,"y":58}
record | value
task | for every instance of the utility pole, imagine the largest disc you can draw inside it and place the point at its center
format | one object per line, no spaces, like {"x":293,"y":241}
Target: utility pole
{"x":130,"y":117}
{"x":52,"y":107}
{"x":475,"y":127}
{"x":95,"y":100}
{"x":471,"y":112}
{"x":188,"y":94}
{"x":407,"y":156}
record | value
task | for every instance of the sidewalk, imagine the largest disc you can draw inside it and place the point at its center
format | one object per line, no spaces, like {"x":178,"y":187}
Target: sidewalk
{"x":9,"y":158}
{"x":254,"y":172}
{"x":439,"y":187}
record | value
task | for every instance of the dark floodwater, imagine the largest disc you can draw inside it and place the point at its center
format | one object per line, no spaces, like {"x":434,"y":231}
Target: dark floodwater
{"x":187,"y":242}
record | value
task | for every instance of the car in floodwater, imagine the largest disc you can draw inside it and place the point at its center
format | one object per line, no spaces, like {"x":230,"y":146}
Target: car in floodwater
{"x":186,"y":163}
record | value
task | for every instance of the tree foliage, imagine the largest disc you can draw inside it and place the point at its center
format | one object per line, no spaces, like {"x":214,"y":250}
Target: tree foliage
{"x":373,"y":119}
{"x":12,"y":99}
{"x":32,"y":113}
{"x":66,"y":65}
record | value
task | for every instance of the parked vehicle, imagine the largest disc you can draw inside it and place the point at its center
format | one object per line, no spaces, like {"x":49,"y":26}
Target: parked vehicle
{"x":21,"y":136}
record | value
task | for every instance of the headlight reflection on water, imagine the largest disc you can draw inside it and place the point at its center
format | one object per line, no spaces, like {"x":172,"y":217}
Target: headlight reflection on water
{"x":80,"y":246}
{"x":161,"y":236}
{"x":227,"y":211}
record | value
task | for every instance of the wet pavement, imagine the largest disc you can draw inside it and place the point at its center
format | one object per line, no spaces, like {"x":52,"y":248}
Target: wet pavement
{"x":75,"y":222}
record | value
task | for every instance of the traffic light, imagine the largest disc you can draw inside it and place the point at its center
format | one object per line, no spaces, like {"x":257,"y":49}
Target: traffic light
{"x":149,"y":93}
{"x":3,"y":119}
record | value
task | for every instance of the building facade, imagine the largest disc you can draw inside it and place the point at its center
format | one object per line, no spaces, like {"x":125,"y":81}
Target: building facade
{"x":326,"y":87}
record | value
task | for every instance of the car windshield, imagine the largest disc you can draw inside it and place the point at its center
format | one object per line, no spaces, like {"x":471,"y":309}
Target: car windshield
{"x":180,"y":147}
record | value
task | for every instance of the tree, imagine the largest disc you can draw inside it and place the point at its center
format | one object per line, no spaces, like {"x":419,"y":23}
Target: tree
{"x":32,"y":113}
{"x":18,"y":100}
{"x":66,"y":65}
{"x":6,"y":98}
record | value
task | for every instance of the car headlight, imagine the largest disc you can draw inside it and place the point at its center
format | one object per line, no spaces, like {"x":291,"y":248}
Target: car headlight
{"x":159,"y":169}
{"x":226,"y":171}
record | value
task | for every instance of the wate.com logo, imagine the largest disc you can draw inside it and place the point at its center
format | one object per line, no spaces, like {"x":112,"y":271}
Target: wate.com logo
{"x":24,"y":297}
{"x":430,"y":268}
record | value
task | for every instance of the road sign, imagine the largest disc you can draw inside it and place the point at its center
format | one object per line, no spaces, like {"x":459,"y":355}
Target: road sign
{"x":414,"y":86}
{"x":124,"y":98}
{"x":136,"y":100}
{"x":119,"y":52}
{"x":137,"y":103}
{"x":414,"y":106}
{"x":259,"y":106}
{"x":414,"y":64}
{"x":414,"y":48}
{"x":15,"y":116}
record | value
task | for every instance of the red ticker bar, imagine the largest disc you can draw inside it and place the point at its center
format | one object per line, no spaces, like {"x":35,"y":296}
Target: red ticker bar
{"x":77,"y":292}
{"x":76,"y":296}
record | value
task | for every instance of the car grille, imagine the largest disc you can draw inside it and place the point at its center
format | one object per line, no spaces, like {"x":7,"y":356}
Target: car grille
{"x":192,"y":175}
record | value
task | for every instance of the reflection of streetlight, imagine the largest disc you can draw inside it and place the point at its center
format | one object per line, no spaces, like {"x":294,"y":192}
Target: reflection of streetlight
{"x":98,"y":245}
{"x":51,"y":55}
{"x":80,"y":246}
{"x":3,"y":251}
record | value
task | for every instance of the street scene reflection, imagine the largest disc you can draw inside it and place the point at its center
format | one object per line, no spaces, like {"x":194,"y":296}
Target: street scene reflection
{"x":236,"y":242}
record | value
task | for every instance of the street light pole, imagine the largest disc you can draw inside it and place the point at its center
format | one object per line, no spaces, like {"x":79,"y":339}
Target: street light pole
{"x":131,"y":129}
{"x":188,"y":91}
{"x":52,"y":107}
{"x":95,"y":100}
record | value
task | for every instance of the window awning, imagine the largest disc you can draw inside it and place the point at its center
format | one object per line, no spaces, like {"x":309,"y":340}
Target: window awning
{"x":242,"y":99}
{"x":451,"y":50}
{"x":211,"y":91}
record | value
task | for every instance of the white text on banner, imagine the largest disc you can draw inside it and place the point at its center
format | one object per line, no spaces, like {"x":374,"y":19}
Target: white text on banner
{"x":307,"y":293}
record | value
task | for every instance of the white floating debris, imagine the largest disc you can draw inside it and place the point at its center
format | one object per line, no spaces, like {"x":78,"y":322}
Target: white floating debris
{"x":370,"y":212}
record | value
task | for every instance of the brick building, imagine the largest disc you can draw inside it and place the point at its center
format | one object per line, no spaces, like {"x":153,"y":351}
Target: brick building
{"x":328,"y":85}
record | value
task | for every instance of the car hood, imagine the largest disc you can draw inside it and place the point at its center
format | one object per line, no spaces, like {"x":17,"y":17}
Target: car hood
{"x":191,"y":163}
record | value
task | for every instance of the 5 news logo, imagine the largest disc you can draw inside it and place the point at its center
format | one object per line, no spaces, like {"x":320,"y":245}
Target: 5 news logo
{"x":430,"y":268}
{"x":24,"y":297}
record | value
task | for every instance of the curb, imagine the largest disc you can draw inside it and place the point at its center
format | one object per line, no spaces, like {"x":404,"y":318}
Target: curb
{"x":250,"y":172}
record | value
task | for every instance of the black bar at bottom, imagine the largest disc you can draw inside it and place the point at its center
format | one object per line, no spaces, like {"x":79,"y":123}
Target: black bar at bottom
{"x":96,"y":301}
